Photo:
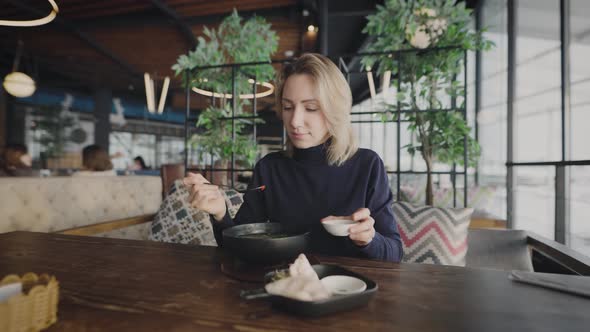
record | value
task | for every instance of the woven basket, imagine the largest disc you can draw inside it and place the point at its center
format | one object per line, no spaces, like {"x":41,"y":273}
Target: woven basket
{"x":33,"y":310}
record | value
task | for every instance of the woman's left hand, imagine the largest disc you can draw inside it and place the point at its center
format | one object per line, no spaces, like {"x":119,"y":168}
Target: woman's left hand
{"x":363,"y":232}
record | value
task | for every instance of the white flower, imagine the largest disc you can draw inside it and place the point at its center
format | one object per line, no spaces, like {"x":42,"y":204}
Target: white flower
{"x":432,"y":24}
{"x":425,"y":11}
{"x":420,"y":38}
{"x":437,"y":26}
{"x":428,"y":32}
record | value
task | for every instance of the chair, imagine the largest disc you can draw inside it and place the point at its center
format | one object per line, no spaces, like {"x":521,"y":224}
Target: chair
{"x":169,"y":174}
{"x":498,"y":249}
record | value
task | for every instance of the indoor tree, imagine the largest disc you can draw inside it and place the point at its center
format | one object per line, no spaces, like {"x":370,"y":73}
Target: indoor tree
{"x":235,"y":41}
{"x":439,"y":32}
{"x":51,"y":126}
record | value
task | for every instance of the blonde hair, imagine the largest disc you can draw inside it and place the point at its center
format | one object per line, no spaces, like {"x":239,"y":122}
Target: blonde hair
{"x":335,"y":101}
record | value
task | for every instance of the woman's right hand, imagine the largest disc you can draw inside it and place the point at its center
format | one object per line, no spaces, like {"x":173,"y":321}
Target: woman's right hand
{"x":205,"y":196}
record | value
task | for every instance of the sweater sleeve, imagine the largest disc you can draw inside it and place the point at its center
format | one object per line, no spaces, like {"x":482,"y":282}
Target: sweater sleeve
{"x":386,"y":245}
{"x":252,"y":209}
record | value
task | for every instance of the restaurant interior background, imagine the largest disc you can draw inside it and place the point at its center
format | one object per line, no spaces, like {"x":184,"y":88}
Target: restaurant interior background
{"x":526,"y":98}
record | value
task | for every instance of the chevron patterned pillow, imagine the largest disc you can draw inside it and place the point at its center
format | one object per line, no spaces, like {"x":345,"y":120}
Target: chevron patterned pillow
{"x":433,"y":235}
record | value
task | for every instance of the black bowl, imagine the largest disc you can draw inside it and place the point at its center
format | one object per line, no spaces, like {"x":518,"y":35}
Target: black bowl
{"x":248,"y":243}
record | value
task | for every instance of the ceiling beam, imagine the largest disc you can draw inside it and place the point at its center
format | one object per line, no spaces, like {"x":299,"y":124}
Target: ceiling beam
{"x":154,"y":18}
{"x":289,"y":12}
{"x":53,"y":71}
{"x":182,"y":25}
{"x":82,"y":36}
{"x":363,"y":13}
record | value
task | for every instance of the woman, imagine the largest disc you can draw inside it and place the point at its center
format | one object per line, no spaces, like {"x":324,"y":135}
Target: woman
{"x":139,"y":164}
{"x":96,"y":162}
{"x":322,"y":173}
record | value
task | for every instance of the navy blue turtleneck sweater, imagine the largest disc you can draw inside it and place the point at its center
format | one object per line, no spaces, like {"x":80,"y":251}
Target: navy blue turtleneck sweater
{"x":304,"y":189}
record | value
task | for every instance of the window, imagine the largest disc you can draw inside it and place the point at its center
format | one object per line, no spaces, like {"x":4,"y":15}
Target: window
{"x":538,"y":82}
{"x":580,"y":79}
{"x":131,"y":145}
{"x":46,"y":132}
{"x":538,"y":115}
{"x":535,"y":200}
{"x":170,"y":150}
{"x":580,"y":209}
{"x":537,"y":127}
{"x":491,"y":118}
{"x":579,"y":203}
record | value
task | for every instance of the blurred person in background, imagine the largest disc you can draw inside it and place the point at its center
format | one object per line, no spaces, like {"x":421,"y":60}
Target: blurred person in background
{"x":139,"y":164}
{"x":15,"y":161}
{"x":96,"y":162}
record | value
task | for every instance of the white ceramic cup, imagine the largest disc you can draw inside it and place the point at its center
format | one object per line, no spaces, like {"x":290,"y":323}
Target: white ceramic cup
{"x":338,"y":227}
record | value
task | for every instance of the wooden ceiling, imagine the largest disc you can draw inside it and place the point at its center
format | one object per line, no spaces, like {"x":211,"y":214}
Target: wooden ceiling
{"x":111,"y":43}
{"x":86,"y":9}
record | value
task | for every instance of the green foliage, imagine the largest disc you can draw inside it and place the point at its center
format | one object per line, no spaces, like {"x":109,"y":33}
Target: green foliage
{"x":52,"y":124}
{"x":234,"y":41}
{"x":445,"y":134}
{"x":393,"y":24}
{"x":217,"y":137}
{"x":427,"y":74}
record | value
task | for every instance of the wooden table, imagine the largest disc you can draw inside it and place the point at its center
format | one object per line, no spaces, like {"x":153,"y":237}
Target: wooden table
{"x":123,"y":285}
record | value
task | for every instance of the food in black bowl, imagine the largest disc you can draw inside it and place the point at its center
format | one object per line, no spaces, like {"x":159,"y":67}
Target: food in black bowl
{"x":264,"y":243}
{"x":336,"y":302}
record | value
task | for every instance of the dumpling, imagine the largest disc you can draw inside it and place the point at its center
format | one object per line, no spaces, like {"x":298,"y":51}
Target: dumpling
{"x":301,"y":267}
{"x":302,"y":284}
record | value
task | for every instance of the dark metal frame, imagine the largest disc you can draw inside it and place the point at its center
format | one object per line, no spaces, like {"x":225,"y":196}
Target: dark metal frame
{"x":188,"y":118}
{"x":347,"y":72}
{"x":562,"y":167}
{"x":562,"y":173}
{"x":511,"y":85}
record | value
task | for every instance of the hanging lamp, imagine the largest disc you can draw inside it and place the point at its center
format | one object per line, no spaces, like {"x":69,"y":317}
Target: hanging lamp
{"x":18,"y":83}
{"x":33,"y":23}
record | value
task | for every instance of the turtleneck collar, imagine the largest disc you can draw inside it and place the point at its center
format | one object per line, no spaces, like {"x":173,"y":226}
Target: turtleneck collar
{"x":314,"y":154}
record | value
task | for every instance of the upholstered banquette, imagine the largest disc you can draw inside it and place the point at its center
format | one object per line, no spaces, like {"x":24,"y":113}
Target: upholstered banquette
{"x":58,"y":203}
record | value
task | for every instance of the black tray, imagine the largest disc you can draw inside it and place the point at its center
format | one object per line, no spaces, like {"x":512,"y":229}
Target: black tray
{"x":330,"y":305}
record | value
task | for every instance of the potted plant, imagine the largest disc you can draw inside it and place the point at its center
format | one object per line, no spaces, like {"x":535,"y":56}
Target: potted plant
{"x":428,"y":78}
{"x":52,"y":124}
{"x":234,"y":41}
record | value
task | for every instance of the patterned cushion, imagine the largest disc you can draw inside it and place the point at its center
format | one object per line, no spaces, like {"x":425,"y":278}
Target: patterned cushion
{"x":433,"y":235}
{"x":479,"y":197}
{"x":177,"y":222}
